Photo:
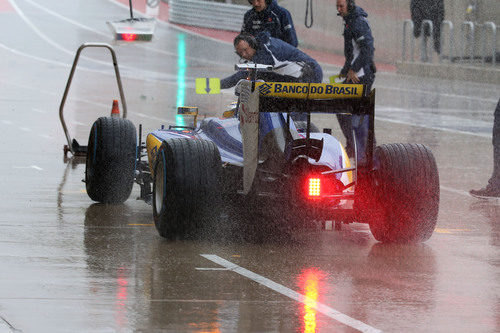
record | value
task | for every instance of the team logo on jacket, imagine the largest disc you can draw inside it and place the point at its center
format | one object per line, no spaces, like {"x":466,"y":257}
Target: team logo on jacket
{"x":265,"y":88}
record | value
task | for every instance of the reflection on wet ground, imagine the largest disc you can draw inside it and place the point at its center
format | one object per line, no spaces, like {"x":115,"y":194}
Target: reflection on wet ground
{"x":142,"y":282}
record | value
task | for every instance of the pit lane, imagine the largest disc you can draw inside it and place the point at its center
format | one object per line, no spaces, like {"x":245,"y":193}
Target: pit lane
{"x":71,"y":264}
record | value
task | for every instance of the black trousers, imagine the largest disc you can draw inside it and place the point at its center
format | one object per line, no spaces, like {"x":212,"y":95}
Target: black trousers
{"x":360,"y":128}
{"x":428,"y":10}
{"x":495,"y":177}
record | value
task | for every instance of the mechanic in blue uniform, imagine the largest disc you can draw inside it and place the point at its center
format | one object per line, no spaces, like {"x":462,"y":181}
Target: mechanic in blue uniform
{"x":359,"y":68}
{"x":290,"y":64}
{"x":492,"y":190}
{"x":266,"y":15}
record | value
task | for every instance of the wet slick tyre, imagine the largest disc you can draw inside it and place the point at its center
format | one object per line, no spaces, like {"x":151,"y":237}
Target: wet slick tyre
{"x":406,"y":193}
{"x":110,"y":161}
{"x":186,"y":189}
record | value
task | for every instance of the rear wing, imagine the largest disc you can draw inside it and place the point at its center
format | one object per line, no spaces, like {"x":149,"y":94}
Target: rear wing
{"x":257,"y":97}
{"x":315,"y":98}
{"x":319,"y":98}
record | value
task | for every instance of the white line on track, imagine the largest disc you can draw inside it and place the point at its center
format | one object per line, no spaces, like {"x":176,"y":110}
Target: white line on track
{"x":37,"y":31}
{"x":153,"y":76}
{"x":467,"y":97}
{"x":5,"y":326}
{"x":437,"y":128}
{"x":326,"y":310}
{"x":107,"y":35}
{"x":29,"y":167}
{"x":64,"y":18}
{"x":47,"y":92}
{"x":394,"y":109}
{"x":450,"y":189}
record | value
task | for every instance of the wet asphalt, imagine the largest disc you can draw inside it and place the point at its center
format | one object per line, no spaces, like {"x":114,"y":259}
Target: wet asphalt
{"x":69,"y":264}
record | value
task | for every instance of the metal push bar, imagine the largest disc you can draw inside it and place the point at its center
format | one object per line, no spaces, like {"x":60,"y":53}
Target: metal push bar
{"x":70,"y":146}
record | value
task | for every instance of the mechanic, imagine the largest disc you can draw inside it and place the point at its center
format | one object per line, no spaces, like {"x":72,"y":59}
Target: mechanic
{"x":266,"y":15}
{"x":492,"y":190}
{"x":359,"y":68}
{"x":290,"y":64}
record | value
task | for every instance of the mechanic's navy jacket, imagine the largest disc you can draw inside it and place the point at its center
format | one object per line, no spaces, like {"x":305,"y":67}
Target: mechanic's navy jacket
{"x":273,"y":51}
{"x":358,"y":44}
{"x":275,"y":19}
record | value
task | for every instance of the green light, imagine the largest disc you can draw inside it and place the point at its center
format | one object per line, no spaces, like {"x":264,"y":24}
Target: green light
{"x":181,"y":74}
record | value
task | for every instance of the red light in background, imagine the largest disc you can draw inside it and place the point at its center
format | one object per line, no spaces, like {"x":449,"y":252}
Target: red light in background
{"x":129,"y":37}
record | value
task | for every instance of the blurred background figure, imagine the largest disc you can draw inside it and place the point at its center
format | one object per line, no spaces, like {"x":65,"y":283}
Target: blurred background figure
{"x":492,"y":189}
{"x":428,"y":10}
{"x":266,"y":15}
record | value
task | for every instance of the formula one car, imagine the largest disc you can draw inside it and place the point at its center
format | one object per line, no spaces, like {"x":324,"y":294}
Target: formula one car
{"x":260,"y":160}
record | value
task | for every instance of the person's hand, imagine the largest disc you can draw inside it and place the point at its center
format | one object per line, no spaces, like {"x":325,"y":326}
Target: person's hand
{"x":352,"y":77}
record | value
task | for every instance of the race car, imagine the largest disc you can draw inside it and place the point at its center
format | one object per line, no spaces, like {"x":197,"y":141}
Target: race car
{"x":259,"y":159}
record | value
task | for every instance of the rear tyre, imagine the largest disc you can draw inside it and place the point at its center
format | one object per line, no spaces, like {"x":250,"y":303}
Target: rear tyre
{"x":406,"y":193}
{"x":110,"y":160}
{"x":186,"y":188}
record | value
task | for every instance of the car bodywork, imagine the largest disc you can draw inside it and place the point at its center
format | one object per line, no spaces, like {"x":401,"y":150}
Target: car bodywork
{"x":263,"y":161}
{"x":262,"y":148}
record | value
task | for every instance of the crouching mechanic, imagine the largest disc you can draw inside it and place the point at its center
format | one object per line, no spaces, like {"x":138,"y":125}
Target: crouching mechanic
{"x":290,"y":64}
{"x":359,"y":68}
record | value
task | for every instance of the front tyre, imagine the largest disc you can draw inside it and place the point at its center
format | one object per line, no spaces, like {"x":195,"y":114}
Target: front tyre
{"x":406,"y":193}
{"x":186,"y":189}
{"x":110,"y":160}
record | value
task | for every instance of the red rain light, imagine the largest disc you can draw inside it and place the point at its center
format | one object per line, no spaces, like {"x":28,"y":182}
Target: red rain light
{"x":129,"y":37}
{"x":314,"y":187}
{"x":318,"y":186}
